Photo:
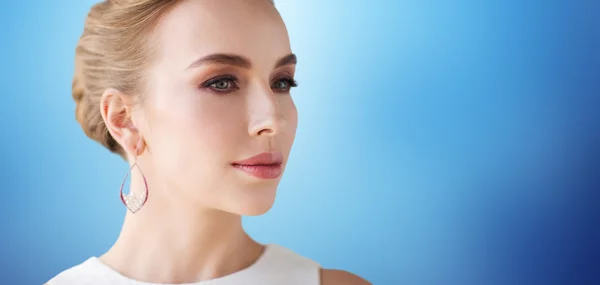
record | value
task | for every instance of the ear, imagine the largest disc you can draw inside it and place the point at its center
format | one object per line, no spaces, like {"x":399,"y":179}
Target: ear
{"x":117,"y":110}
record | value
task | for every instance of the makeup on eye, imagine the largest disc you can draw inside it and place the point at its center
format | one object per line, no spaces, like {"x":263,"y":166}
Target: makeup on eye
{"x":221,"y":84}
{"x":229,"y":83}
{"x":288,"y":82}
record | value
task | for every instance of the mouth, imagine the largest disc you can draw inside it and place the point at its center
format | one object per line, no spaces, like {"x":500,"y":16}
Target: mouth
{"x":267,"y":165}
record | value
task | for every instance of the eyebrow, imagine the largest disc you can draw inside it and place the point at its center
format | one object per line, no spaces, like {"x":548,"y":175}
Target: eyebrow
{"x":288,"y":59}
{"x":237,"y":60}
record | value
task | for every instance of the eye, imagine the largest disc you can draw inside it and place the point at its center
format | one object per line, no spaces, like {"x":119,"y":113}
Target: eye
{"x":284,"y":84}
{"x":221,"y":84}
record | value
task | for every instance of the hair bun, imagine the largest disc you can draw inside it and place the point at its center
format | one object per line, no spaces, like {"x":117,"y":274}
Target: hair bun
{"x":111,"y":53}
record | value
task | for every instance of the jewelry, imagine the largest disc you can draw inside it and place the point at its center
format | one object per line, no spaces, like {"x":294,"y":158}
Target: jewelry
{"x":134,"y":202}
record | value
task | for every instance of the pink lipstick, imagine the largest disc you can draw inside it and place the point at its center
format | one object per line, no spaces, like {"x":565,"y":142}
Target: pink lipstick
{"x":266,"y":165}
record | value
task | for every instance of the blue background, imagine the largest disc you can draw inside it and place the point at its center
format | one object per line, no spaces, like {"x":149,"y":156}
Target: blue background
{"x":440,"y":142}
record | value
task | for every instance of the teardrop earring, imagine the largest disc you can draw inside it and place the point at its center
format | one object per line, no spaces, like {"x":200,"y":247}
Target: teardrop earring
{"x":132,"y":201}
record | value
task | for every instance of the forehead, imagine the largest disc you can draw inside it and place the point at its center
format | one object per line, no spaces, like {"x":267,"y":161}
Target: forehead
{"x":195,"y":28}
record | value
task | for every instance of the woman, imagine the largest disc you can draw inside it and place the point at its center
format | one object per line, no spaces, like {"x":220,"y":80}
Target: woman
{"x":195,"y":95}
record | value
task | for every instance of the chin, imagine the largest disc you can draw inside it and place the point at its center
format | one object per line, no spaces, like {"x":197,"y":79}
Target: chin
{"x":255,"y":208}
{"x":254,"y":203}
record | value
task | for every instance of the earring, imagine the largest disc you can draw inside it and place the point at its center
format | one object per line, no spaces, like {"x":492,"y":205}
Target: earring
{"x":132,"y":201}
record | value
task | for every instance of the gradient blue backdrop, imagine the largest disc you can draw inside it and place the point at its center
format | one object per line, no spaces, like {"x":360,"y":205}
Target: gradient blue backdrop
{"x":440,"y":142}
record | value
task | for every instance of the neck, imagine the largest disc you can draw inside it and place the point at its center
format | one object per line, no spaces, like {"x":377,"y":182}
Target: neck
{"x":173,"y":244}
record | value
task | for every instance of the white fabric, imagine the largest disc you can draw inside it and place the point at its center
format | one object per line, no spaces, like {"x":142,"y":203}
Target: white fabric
{"x":277,"y":265}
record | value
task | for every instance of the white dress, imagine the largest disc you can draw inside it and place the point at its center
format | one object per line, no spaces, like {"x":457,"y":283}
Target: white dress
{"x":276,"y":266}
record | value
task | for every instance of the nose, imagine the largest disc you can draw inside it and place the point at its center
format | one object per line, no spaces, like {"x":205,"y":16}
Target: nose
{"x":263,"y":108}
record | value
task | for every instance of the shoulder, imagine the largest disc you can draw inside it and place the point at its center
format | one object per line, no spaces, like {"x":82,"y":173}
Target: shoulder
{"x":298,"y":267}
{"x":341,"y":277}
{"x":85,"y":273}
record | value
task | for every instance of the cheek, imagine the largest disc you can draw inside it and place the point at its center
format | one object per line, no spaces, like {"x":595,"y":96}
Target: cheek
{"x":195,"y":132}
{"x":290,"y":114}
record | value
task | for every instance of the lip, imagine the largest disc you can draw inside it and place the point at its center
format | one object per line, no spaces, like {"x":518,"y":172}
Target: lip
{"x":265,"y":158}
{"x":266,"y":165}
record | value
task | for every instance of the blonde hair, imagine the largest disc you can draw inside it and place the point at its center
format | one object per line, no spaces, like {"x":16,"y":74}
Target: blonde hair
{"x":112,"y":53}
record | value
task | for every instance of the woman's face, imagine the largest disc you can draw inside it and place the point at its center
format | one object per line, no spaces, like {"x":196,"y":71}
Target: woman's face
{"x":218,"y":91}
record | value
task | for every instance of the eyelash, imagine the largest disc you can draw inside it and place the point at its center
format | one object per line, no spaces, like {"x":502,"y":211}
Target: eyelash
{"x":233,"y":80}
